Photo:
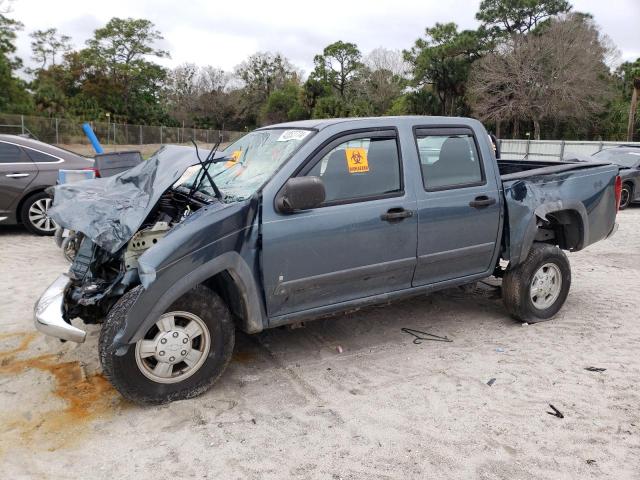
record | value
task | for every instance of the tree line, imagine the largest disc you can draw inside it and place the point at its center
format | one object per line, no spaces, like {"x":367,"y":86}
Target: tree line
{"x":532,"y":68}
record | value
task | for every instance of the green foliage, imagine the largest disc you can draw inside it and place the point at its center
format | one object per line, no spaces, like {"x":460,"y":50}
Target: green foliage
{"x":111,"y":75}
{"x":331,"y":106}
{"x":442,"y":61}
{"x":47,"y":44}
{"x":262,"y":73}
{"x":13,"y":94}
{"x":283,"y":105}
{"x":337,"y":67}
{"x":379,"y":89}
{"x":614,"y":122}
{"x":124,"y":42}
{"x":518,"y":16}
{"x":400,"y":106}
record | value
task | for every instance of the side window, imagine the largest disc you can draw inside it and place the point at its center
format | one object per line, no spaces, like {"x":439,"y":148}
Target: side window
{"x":449,"y":161}
{"x":11,"y":154}
{"x":360,"y":168}
{"x":41,"y":157}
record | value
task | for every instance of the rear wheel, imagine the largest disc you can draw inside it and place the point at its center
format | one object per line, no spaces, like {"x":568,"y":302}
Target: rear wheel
{"x":625,"y":196}
{"x":180,"y":356}
{"x":535,"y":290}
{"x":34,"y":214}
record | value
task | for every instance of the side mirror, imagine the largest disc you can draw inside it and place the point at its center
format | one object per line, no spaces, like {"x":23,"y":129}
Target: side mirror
{"x":300,"y":193}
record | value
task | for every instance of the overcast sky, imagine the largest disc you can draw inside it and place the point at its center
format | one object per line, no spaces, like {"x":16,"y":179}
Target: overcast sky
{"x":223,"y":33}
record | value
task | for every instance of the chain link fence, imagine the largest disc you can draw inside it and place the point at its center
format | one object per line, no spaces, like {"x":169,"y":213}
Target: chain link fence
{"x":552,"y":149}
{"x":69,"y":133}
{"x":61,"y":131}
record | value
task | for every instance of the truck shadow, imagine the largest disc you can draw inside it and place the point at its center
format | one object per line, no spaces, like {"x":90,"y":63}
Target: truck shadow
{"x":452,"y":313}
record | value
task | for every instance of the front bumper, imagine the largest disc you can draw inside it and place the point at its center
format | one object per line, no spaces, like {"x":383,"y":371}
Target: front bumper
{"x":47,"y":313}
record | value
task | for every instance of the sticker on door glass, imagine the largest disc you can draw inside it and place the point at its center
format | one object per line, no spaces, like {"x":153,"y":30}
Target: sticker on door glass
{"x":234,"y":157}
{"x":293,"y":135}
{"x":357,"y":160}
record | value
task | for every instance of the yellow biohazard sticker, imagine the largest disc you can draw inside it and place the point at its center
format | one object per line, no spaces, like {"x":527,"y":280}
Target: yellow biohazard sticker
{"x":357,"y":160}
{"x":235,"y":156}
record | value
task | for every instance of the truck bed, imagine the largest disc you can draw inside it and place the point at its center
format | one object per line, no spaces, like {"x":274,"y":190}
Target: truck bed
{"x":534,"y":188}
{"x":519,"y":169}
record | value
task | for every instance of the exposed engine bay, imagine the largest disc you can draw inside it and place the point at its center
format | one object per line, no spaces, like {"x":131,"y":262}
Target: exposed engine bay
{"x":99,"y":277}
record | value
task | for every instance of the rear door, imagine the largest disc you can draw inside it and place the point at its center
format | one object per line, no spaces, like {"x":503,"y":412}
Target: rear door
{"x":360,"y":242}
{"x":459,"y":206}
{"x":17,"y":171}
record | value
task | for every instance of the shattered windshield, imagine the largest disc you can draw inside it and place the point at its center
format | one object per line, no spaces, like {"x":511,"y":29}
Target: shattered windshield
{"x":251,"y":162}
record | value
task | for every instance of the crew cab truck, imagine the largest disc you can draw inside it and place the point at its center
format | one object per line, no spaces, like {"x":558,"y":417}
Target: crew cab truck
{"x":301,"y":220}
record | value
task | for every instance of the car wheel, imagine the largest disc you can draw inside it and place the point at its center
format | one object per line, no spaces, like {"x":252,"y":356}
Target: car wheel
{"x":180,"y":356}
{"x":535,"y":290}
{"x":625,"y":196}
{"x":34,"y":216}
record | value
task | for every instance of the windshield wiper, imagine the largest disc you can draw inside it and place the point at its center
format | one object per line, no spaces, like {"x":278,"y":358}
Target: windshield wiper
{"x":204,"y":168}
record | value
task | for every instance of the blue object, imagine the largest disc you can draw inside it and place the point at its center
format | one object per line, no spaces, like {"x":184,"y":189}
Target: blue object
{"x":88,"y":131}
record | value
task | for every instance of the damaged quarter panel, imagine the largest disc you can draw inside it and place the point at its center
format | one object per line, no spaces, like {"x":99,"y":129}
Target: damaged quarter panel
{"x":585,"y":197}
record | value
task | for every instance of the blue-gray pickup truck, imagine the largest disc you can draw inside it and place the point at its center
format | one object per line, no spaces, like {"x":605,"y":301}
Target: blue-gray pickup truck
{"x":306,"y":219}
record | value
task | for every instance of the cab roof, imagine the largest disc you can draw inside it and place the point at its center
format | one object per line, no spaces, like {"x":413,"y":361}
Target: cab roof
{"x":319,"y":124}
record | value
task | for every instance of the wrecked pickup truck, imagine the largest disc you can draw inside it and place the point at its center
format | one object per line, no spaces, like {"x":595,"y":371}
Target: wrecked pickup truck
{"x":302,"y":220}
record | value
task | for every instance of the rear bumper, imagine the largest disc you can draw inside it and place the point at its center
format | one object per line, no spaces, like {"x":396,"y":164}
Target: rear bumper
{"x":47,"y":313}
{"x":613,"y":230}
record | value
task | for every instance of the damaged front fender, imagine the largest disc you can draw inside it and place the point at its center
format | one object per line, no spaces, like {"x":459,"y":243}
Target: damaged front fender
{"x":218,"y":238}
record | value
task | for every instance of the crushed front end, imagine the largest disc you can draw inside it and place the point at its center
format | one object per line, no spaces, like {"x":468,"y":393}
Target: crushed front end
{"x":120,"y":218}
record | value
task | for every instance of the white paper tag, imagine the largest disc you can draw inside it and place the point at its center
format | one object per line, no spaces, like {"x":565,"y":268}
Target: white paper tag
{"x":293,"y":135}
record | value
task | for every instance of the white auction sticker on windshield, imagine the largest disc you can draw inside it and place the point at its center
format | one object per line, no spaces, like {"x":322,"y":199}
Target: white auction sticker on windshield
{"x":293,"y":135}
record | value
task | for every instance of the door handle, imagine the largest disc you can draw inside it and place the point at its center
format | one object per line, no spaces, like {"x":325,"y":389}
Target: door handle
{"x":16,"y":175}
{"x":482,"y":201}
{"x":396,"y":214}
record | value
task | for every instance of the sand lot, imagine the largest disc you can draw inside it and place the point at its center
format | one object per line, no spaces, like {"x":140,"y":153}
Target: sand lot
{"x":291,"y":406}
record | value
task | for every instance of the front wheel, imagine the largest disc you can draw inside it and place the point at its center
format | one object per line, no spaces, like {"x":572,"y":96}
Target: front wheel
{"x":535,"y":290}
{"x":180,"y":356}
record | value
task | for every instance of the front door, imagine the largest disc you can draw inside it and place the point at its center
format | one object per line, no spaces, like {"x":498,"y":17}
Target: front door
{"x":459,"y":207}
{"x":17,"y":171}
{"x":360,"y":242}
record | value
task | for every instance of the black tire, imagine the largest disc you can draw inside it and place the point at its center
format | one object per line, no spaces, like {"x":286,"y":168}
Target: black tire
{"x":516,"y":285}
{"x":123,"y":371}
{"x":26,"y":221}
{"x":625,"y":196}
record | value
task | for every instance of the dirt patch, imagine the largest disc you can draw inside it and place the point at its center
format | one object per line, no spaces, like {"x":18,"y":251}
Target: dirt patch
{"x":87,"y":397}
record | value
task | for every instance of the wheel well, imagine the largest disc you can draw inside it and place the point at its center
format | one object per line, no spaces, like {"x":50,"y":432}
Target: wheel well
{"x":24,"y":199}
{"x":225,"y":285}
{"x":563,"y":228}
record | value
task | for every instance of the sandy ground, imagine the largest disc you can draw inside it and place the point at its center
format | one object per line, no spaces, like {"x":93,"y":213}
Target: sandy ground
{"x":291,"y":406}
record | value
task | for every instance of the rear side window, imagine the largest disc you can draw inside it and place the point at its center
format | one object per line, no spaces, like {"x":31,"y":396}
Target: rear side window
{"x":41,"y":157}
{"x":449,"y":161}
{"x":12,"y":154}
{"x":356,"y":169}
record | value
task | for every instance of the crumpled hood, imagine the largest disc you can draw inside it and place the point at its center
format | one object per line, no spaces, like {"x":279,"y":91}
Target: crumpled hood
{"x":111,"y":210}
